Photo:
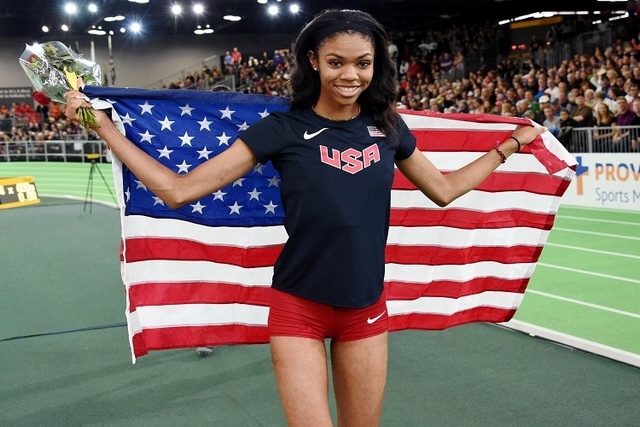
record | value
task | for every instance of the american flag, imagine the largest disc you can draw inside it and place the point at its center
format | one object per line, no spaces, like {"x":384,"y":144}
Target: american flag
{"x":200,"y":275}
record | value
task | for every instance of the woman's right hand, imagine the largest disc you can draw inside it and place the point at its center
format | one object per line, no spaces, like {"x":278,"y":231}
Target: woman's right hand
{"x":75,"y":100}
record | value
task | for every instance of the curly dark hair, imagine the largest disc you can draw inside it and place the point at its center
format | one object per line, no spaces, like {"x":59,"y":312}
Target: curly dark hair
{"x":379,"y":98}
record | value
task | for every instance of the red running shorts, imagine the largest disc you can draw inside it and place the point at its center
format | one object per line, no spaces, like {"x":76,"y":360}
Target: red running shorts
{"x":294,"y":316}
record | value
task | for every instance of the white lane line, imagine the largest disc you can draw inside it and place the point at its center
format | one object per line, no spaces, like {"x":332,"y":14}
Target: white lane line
{"x":586,"y":304}
{"x":573,"y":341}
{"x":577,"y":248}
{"x":608,"y":221}
{"x":593,"y":233}
{"x":590,"y":273}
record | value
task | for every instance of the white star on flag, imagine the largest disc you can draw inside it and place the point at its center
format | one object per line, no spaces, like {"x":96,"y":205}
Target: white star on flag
{"x":197,"y":207}
{"x":219,"y":195}
{"x":226,"y":113}
{"x":165,"y":152}
{"x":186,"y":110}
{"x":186,"y":139}
{"x":166,"y":123}
{"x":183,"y":167}
{"x":146,"y":137}
{"x":204,"y":124}
{"x":204,"y":153}
{"x":146,"y":107}
{"x":254,"y":194}
{"x":235,"y":208}
{"x":224,"y":139}
{"x":270,"y":208}
{"x":127,"y":120}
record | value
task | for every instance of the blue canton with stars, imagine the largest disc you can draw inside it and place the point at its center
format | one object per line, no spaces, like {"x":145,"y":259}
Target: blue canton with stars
{"x":182,"y":129}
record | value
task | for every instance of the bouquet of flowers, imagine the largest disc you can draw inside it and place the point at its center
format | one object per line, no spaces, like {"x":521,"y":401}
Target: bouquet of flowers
{"x":53,"y":69}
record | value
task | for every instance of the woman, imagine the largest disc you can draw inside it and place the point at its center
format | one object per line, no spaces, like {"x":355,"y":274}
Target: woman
{"x":328,"y":280}
{"x":605,"y":128}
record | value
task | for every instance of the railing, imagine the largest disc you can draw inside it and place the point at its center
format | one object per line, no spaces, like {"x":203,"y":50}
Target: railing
{"x":619,"y":139}
{"x":69,"y":150}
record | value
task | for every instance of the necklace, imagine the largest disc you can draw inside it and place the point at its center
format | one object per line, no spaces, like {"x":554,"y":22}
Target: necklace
{"x":337,"y":120}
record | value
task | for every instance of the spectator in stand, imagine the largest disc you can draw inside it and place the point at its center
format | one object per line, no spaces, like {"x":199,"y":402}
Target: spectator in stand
{"x":415,"y":69}
{"x":635,"y":132}
{"x":582,"y":113}
{"x":566,"y":125}
{"x":621,"y":141}
{"x":632,"y":93}
{"x":551,"y":122}
{"x":446,"y":63}
{"x":545,"y":102}
{"x":590,"y":99}
{"x":521,"y":106}
{"x":605,"y":128}
{"x":553,"y":90}
{"x":535,"y":44}
{"x":542,"y":87}
{"x":236,"y":57}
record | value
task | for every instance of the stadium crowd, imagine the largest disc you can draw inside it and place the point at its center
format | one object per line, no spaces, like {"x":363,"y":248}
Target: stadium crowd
{"x":442,"y":71}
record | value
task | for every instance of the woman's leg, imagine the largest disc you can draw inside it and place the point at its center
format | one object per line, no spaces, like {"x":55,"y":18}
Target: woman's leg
{"x":359,"y":370}
{"x":300,"y":367}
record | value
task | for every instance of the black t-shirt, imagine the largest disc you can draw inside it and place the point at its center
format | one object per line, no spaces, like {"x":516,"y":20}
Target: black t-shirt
{"x":336,"y":195}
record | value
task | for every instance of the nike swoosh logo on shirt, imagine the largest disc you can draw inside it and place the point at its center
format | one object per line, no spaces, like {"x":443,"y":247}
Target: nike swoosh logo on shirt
{"x":372,"y":320}
{"x":308,"y":136}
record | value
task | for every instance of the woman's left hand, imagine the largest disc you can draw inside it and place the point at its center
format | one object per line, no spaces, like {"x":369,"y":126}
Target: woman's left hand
{"x":523,"y":135}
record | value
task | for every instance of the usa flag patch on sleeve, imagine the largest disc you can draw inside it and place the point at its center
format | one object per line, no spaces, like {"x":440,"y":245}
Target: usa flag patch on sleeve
{"x":375,"y":132}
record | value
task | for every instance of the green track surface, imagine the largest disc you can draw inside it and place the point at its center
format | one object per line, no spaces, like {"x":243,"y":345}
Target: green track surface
{"x":587,"y":283}
{"x":64,"y":179}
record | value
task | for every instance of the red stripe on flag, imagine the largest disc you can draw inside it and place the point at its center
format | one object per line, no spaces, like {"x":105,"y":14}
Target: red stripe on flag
{"x":439,"y":321}
{"x":155,"y":294}
{"x":449,"y":289}
{"x":151,"y":248}
{"x":195,"y":336}
{"x":467,"y":219}
{"x":438,"y":255}
{"x":549,"y":185}
{"x":459,"y":139}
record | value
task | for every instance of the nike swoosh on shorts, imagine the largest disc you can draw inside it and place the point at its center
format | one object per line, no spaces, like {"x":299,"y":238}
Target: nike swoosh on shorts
{"x":372,"y":320}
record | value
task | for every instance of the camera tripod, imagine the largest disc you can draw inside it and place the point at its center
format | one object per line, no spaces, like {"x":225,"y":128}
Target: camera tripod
{"x":88,"y":198}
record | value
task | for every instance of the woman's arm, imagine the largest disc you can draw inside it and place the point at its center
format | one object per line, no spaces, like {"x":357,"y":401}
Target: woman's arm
{"x":442,"y":189}
{"x":174,"y":189}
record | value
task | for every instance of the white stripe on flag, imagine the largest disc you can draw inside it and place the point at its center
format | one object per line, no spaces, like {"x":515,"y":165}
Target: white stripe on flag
{"x":449,"y":306}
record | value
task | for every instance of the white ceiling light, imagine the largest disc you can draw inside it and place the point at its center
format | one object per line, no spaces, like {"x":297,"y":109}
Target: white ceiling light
{"x":114,"y":18}
{"x":232,"y":18}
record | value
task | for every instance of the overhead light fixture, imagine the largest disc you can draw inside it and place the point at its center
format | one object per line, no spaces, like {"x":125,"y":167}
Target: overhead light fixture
{"x":45,"y":29}
{"x":262,"y":1}
{"x":92,"y":8}
{"x":135,"y":27}
{"x":139,"y":1}
{"x":64,"y":27}
{"x":200,"y":31}
{"x":114,"y":18}
{"x":71,"y":8}
{"x":232,"y":18}
{"x":273,"y":10}
{"x":198,"y":9}
{"x":294,"y":8}
{"x":176,"y":9}
{"x":97,"y":32}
